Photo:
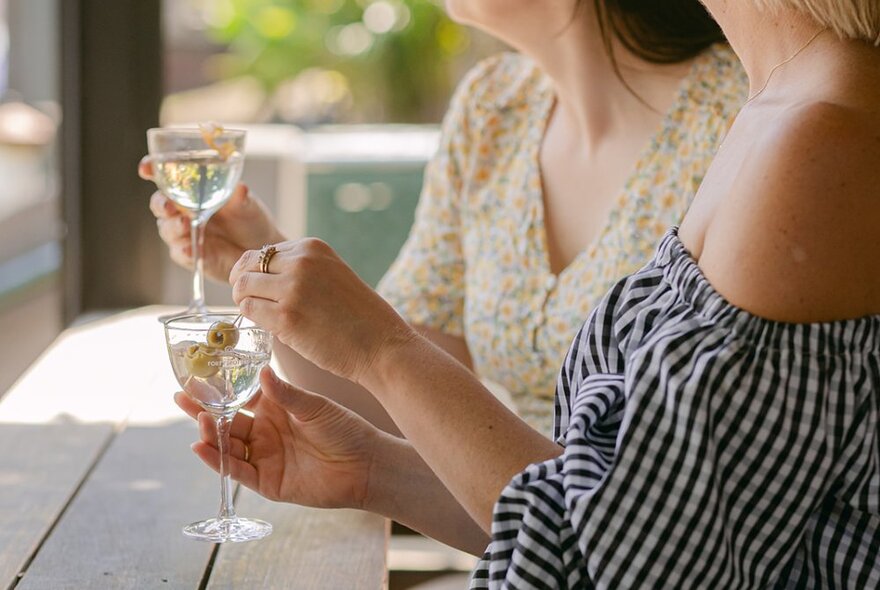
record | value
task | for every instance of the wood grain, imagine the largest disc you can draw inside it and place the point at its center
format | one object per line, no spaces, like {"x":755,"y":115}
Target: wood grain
{"x":123,"y":529}
{"x":95,"y":373}
{"x":309,"y":549}
{"x":114,"y":423}
{"x":54,"y":424}
{"x":40,"y":467}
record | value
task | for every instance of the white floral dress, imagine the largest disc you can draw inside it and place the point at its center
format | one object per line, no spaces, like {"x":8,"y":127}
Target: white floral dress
{"x":476,"y":263}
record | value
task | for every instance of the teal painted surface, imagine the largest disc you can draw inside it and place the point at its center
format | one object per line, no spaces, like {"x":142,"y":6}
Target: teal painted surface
{"x":364,"y":212}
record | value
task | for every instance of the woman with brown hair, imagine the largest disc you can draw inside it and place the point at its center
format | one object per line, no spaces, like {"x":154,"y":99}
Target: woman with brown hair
{"x":559,"y":167}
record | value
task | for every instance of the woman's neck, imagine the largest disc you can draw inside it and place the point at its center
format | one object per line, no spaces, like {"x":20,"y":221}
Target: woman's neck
{"x":766,"y":41}
{"x":591,"y":96}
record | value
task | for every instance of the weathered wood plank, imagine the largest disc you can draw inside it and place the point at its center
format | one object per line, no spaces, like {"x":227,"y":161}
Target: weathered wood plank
{"x":40,"y":467}
{"x":56,"y":421}
{"x":309,"y":550}
{"x":123,"y":529}
{"x":93,"y":373}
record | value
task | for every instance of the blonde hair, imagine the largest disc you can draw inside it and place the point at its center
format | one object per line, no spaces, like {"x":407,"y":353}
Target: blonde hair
{"x":850,"y":19}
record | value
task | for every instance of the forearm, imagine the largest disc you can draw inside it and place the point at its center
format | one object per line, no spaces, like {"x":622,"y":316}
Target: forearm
{"x":469,"y":439}
{"x":402,"y":487}
{"x":455,"y":346}
{"x":305,"y":374}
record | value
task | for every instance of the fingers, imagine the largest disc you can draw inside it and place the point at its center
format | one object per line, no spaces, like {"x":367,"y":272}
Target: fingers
{"x":145,"y":168}
{"x":173,"y":229}
{"x":303,"y":405}
{"x":236,"y":448}
{"x":250,"y":260}
{"x":208,"y":434}
{"x":262,"y":312}
{"x":237,"y":442}
{"x":206,"y":449}
{"x":258,"y":284}
{"x":239,"y":470}
{"x":241,"y":423}
{"x":188,"y":405}
{"x":162,"y":207}
{"x":181,"y":255}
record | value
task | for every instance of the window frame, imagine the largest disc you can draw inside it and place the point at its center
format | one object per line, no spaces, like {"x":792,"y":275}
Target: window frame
{"x":111,"y":90}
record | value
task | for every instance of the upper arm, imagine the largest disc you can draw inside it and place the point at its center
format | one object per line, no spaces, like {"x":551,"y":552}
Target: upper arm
{"x":798,"y":236}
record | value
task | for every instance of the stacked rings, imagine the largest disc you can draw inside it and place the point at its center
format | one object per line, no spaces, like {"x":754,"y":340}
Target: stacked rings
{"x":266,"y":254}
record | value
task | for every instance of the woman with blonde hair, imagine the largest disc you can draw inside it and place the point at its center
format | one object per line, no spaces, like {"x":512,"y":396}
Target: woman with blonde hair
{"x":559,"y":166}
{"x":718,"y":415}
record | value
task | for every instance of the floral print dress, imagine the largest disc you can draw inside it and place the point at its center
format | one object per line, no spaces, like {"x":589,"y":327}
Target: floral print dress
{"x":476,"y":263}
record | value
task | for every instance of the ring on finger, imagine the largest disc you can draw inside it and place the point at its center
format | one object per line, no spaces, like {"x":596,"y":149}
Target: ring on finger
{"x":266,"y":254}
{"x":247,"y":453}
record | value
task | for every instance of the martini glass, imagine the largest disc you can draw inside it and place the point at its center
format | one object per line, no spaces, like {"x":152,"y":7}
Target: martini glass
{"x":198,"y":170}
{"x":218,"y":363}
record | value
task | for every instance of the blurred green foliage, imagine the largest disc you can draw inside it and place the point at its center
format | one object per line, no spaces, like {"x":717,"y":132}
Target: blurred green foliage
{"x":399,"y":58}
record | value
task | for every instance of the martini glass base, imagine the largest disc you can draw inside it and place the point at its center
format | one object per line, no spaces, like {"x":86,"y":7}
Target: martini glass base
{"x":228,"y":530}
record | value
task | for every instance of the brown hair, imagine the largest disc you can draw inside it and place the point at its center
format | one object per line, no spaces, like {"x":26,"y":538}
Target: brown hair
{"x":663,"y":32}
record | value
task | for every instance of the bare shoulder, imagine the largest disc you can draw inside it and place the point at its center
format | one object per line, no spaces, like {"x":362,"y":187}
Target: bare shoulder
{"x":797,"y":238}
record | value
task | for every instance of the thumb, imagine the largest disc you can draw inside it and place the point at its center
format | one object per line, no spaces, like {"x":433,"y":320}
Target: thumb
{"x":303,"y":405}
{"x":145,"y":168}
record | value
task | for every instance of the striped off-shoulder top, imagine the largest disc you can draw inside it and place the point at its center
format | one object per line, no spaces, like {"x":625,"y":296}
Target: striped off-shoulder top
{"x":704,"y":447}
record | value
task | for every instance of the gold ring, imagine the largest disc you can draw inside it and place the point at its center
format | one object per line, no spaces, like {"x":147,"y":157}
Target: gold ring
{"x":247,"y":453}
{"x":266,"y":254}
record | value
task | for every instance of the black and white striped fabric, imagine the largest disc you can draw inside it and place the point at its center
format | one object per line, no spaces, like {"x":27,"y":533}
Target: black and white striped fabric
{"x":703,"y":448}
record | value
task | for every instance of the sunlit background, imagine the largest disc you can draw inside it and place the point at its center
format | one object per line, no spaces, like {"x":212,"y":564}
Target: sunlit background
{"x":341,"y":99}
{"x":309,"y":62}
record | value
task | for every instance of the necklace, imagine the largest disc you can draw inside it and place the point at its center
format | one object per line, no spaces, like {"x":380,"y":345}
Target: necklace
{"x":782,"y":63}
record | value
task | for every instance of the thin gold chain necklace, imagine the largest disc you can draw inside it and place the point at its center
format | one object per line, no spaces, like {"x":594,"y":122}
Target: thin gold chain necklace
{"x":782,"y":63}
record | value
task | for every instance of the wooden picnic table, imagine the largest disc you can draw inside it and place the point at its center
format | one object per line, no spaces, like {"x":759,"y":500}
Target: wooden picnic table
{"x":97,"y":478}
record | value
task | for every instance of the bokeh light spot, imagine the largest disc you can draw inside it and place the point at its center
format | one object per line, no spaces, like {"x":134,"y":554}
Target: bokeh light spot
{"x":275,"y":22}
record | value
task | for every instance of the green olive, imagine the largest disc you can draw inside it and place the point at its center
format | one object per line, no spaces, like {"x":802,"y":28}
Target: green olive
{"x":202,"y":361}
{"x":222,"y":335}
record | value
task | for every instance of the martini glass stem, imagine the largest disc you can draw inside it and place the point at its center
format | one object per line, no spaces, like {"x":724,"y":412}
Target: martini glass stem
{"x":227,"y":510}
{"x":197,"y":235}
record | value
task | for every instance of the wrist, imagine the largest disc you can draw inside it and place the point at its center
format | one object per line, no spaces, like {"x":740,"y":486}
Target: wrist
{"x":387,"y":356}
{"x":389,"y":460}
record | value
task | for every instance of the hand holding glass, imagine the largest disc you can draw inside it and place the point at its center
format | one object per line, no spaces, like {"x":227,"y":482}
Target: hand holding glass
{"x":218,"y":365}
{"x":198,"y":169}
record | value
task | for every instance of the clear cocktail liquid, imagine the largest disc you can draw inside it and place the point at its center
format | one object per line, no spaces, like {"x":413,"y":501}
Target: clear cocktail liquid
{"x":233,"y":384}
{"x":200,"y":180}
